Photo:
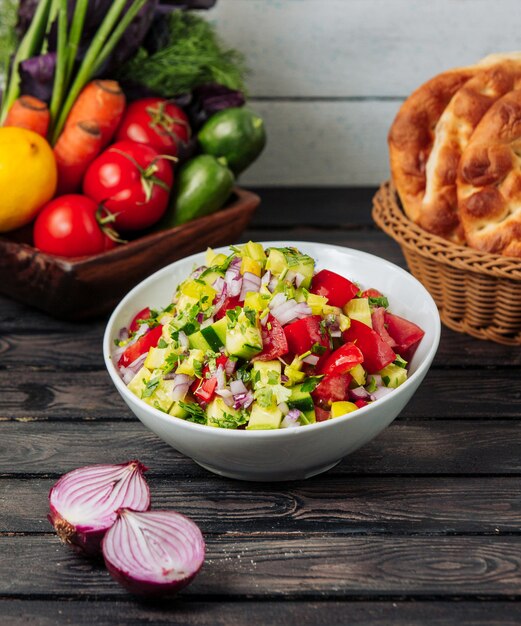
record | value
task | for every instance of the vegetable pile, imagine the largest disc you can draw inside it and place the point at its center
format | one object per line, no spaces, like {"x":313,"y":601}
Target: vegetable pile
{"x":121,"y":116}
{"x":105,"y":509}
{"x":257,"y":339}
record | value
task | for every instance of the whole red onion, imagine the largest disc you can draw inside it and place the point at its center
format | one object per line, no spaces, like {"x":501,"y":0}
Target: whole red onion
{"x":153,"y":553}
{"x":84,"y":502}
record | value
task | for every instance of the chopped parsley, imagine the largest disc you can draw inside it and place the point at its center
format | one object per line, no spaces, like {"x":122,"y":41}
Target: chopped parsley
{"x":150,"y":387}
{"x":381,"y":301}
{"x":400,"y":362}
{"x":310,"y":384}
{"x":196,"y":414}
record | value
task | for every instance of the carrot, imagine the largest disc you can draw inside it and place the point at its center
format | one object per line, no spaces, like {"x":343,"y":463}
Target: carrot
{"x":103,"y":102}
{"x":75,"y":149}
{"x":29,"y":112}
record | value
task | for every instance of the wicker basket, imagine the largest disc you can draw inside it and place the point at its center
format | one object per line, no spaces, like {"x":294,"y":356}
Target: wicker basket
{"x":477,"y":293}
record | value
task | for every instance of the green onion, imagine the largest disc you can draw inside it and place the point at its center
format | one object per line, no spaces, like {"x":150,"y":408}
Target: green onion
{"x":78,"y":19}
{"x":29,"y":46}
{"x":59,"y":85}
{"x":101,"y":46}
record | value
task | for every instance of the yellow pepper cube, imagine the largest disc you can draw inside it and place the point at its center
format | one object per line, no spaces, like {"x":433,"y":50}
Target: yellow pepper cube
{"x":250,"y":265}
{"x":316,"y":303}
{"x":341,"y":408}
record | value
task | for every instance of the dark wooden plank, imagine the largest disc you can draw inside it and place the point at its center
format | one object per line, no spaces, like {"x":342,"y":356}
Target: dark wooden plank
{"x":297,"y":566}
{"x":338,"y":504}
{"x":39,"y":394}
{"x":442,"y":448}
{"x":191,"y":612}
{"x":330,"y":206}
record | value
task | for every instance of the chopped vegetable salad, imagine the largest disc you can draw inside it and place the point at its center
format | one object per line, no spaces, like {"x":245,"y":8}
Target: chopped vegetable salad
{"x":257,"y":339}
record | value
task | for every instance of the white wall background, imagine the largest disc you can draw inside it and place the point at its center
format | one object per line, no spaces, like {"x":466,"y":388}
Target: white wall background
{"x":329,"y":75}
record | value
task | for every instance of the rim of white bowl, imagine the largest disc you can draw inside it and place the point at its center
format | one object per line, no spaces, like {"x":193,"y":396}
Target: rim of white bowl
{"x":108,"y":342}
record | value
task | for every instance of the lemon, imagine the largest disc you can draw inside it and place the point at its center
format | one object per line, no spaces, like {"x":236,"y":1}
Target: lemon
{"x":28,"y":176}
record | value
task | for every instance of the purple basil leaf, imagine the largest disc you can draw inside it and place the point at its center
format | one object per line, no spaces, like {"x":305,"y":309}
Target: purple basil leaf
{"x":37,"y":75}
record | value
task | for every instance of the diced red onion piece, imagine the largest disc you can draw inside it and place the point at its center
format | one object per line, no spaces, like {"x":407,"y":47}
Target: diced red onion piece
{"x":291,"y":419}
{"x":237,"y":386}
{"x":207,"y":322}
{"x":233,"y":277}
{"x":290,"y":311}
{"x":198,"y":271}
{"x":221,"y":378}
{"x":283,"y":408}
{"x":358,"y":393}
{"x":229,"y":367}
{"x":218,"y":284}
{"x":311,"y":359}
{"x":116,"y":354}
{"x":153,"y":553}
{"x":335,"y":333}
{"x":250,"y":284}
{"x":131,"y":370}
{"x":299,"y":278}
{"x":183,"y":339}
{"x":123,"y":333}
{"x":277,"y":300}
{"x":84,"y":502}
{"x":380,"y":392}
{"x":272,"y":285}
{"x":290,"y":276}
{"x":220,"y":300}
{"x":243,"y":400}
{"x":227,"y":396}
{"x":181,"y":386}
{"x":378,"y":381}
{"x":266,"y":277}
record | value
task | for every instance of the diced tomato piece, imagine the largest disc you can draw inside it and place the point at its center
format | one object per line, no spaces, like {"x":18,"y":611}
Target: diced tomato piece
{"x":371,"y":293}
{"x":331,"y":389}
{"x":205,"y":390}
{"x":361,"y":403}
{"x":406,"y":334}
{"x":142,"y":345}
{"x":321,"y":414}
{"x":378,"y":320}
{"x":144,"y":314}
{"x":274,"y":342}
{"x":377,"y":353}
{"x":304,"y":333}
{"x":337,"y":289}
{"x":342,"y":360}
{"x":229,"y":303}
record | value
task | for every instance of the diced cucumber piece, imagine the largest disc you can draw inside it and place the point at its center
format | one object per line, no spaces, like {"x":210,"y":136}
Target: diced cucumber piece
{"x":301,"y":400}
{"x":266,"y":373}
{"x":262,"y":418}
{"x":393,"y":375}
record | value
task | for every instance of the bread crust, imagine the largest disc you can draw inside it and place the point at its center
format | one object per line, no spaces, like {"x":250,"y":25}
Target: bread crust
{"x":412,"y":133}
{"x":489,"y":180}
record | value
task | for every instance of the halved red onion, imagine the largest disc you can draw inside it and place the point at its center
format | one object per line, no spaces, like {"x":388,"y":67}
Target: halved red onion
{"x":153,"y":553}
{"x":311,"y":359}
{"x":250,"y":284}
{"x":84,"y":502}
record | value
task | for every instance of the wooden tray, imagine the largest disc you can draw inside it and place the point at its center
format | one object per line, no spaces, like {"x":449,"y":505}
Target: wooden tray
{"x":78,"y":289}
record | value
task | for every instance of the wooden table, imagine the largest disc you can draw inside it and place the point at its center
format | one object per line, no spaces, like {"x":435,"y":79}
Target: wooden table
{"x":421,"y":526}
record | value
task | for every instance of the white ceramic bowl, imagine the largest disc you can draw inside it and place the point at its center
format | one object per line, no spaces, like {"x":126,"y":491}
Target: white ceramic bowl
{"x":293,"y":453}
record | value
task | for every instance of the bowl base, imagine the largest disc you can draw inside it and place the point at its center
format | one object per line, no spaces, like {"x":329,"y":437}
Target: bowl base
{"x":268,"y":476}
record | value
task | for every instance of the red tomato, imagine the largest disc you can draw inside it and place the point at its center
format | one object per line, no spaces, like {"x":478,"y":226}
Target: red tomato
{"x":205,"y":390}
{"x":304,"y":333}
{"x":142,"y":345}
{"x":133,"y":181}
{"x":378,"y":321}
{"x":68,"y":226}
{"x":274,"y":342}
{"x":377,"y":353}
{"x":229,"y":303}
{"x":331,"y":389}
{"x":342,"y":360}
{"x":406,"y":334}
{"x":371,"y":293}
{"x":144,"y":314}
{"x":156,"y":122}
{"x":361,"y":403}
{"x":337,"y":289}
{"x":321,"y":414}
